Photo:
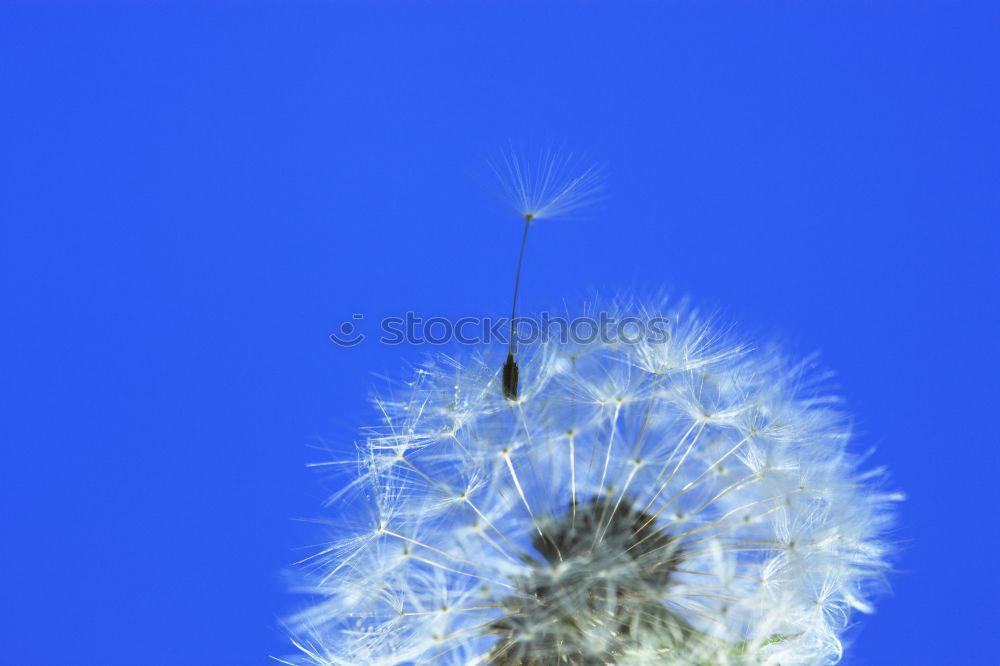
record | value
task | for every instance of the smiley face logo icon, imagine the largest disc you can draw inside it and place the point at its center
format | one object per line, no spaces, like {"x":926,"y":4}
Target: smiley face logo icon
{"x":348,"y":335}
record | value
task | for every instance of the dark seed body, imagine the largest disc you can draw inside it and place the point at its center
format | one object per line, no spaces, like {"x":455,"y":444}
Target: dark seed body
{"x":510,"y":377}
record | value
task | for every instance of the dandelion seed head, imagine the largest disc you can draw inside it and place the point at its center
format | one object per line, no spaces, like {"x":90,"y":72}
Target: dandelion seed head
{"x":689,"y":500}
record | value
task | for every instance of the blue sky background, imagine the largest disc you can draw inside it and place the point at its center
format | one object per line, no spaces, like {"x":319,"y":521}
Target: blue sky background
{"x":194,"y":195}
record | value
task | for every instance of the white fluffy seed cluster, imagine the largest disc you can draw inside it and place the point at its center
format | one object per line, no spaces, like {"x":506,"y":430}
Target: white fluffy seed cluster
{"x":687,"y":501}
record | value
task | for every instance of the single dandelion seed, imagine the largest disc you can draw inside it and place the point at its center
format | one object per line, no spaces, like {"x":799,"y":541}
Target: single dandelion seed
{"x":547,"y":191}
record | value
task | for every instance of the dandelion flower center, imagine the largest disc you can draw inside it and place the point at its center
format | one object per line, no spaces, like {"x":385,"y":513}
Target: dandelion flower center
{"x":603,"y":572}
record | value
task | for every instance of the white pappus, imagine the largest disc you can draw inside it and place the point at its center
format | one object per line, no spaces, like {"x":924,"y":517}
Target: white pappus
{"x":686,"y":500}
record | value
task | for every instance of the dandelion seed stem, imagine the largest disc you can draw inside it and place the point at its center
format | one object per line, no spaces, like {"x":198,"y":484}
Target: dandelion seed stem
{"x":517,"y":279}
{"x":510,"y":379}
{"x":572,"y":473}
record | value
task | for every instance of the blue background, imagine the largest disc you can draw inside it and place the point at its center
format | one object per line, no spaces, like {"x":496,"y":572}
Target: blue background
{"x":194,"y":195}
